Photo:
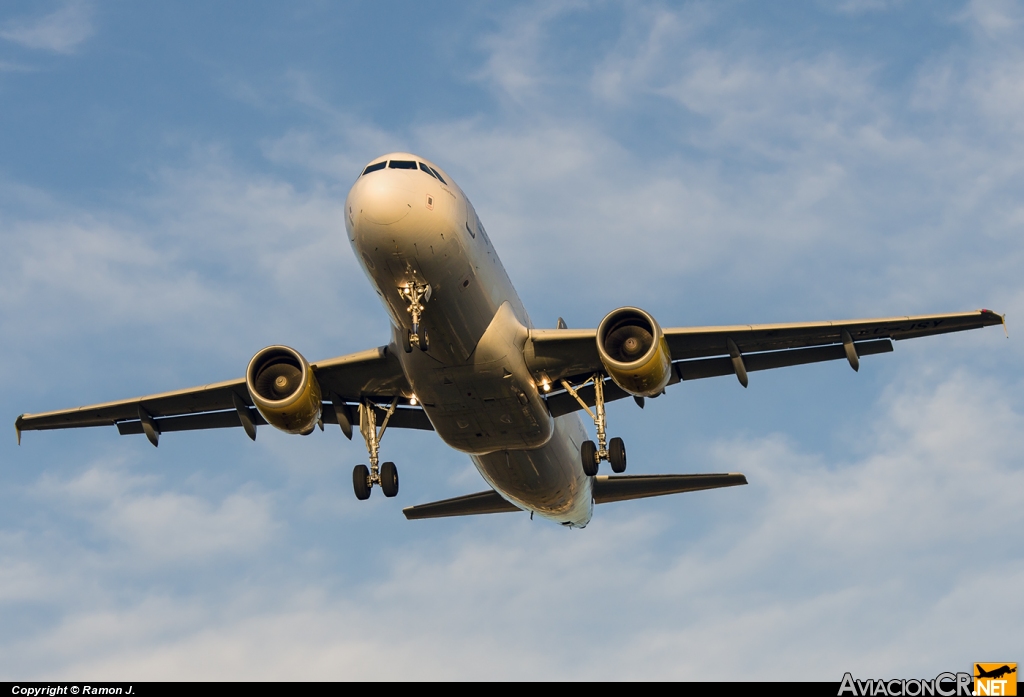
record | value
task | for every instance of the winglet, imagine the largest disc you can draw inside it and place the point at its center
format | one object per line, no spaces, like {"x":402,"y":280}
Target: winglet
{"x":17,"y":427}
{"x":1002,"y":319}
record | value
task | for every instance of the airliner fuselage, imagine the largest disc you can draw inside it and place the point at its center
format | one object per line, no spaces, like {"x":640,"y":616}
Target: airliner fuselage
{"x":411,"y":226}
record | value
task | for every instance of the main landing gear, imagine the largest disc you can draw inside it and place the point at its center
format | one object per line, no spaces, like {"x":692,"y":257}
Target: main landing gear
{"x":416,"y":294}
{"x":385,"y":476}
{"x":591,"y":454}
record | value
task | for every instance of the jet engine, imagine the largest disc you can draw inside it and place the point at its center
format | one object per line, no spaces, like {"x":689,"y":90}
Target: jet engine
{"x":284,"y":389}
{"x":633,"y":350}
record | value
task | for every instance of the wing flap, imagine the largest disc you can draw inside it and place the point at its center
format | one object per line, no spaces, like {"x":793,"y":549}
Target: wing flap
{"x":560,"y":403}
{"x":610,"y":488}
{"x":712,"y":367}
{"x":191,"y":422}
{"x":403,"y":417}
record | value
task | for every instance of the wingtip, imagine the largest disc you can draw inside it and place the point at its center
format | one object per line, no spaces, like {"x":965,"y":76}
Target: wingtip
{"x":1001,"y":318}
{"x":17,"y":427}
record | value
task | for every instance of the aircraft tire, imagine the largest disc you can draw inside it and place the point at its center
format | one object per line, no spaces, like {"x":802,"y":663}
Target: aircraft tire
{"x":617,"y":455}
{"x":588,"y":456}
{"x":421,"y":334}
{"x":407,"y":341}
{"x":360,"y":475}
{"x":389,"y":479}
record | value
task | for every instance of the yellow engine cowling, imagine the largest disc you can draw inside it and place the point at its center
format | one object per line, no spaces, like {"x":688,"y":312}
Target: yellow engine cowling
{"x":633,"y":350}
{"x":284,"y":389}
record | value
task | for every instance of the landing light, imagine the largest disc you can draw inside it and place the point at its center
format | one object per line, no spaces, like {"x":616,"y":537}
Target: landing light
{"x":412,"y":400}
{"x":546,"y":386}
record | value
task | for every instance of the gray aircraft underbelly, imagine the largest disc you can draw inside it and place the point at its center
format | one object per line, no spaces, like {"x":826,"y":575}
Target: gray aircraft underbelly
{"x":473,"y":383}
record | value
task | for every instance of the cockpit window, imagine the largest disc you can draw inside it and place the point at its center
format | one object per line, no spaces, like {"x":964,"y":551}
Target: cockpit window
{"x":375,"y":166}
{"x":438,"y":175}
{"x":424,"y":168}
{"x":402,"y":164}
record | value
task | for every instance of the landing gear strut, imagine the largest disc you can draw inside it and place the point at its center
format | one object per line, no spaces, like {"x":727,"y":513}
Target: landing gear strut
{"x":386,"y":475}
{"x":591,"y":454}
{"x":415,"y":294}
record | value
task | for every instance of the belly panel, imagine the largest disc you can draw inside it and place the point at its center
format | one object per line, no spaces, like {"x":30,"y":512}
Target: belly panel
{"x":548,"y":480}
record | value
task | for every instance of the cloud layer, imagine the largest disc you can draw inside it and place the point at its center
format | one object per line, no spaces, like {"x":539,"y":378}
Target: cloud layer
{"x":61,"y":31}
{"x":712,"y":163}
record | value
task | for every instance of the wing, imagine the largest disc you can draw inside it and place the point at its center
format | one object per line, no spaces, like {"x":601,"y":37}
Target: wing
{"x":375,"y":374}
{"x":702,"y":352}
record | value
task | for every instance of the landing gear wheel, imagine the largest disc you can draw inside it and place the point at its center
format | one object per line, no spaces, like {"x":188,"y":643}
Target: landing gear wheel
{"x":588,"y":456}
{"x":361,"y":483}
{"x":389,"y":479}
{"x":421,"y":336}
{"x":407,"y":341}
{"x":617,"y":455}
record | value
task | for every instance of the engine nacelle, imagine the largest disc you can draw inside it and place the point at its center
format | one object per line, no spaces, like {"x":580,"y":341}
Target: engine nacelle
{"x":633,"y":350}
{"x":284,"y":389}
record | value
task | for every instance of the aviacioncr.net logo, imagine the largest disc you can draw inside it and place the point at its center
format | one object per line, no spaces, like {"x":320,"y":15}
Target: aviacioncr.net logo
{"x":995,"y":679}
{"x":942,"y":685}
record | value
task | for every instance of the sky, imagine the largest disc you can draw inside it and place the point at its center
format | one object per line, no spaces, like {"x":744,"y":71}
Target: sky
{"x":171,"y":185}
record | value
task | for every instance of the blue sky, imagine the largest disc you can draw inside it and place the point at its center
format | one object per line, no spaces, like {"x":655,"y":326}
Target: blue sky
{"x":171,"y":184}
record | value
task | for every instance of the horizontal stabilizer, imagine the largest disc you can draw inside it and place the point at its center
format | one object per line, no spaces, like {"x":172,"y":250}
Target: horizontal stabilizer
{"x":473,"y":504}
{"x":640,"y":486}
{"x":606,"y":490}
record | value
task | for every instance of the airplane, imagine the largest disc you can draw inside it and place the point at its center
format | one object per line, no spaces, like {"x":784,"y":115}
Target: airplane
{"x":465,"y":361}
{"x":996,"y":673}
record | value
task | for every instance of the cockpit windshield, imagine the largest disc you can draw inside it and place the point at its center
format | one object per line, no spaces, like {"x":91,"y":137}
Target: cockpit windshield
{"x":438,"y":175}
{"x":404,"y":164}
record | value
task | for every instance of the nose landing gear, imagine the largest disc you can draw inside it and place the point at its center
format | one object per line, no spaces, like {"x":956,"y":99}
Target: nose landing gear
{"x":415,"y":294}
{"x":591,"y":454}
{"x":385,"y":476}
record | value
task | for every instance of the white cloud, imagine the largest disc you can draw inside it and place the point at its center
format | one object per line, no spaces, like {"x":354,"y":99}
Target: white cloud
{"x":815,"y":568}
{"x":61,"y":31}
{"x":862,"y":6}
{"x":996,"y":18}
{"x":159,"y":526}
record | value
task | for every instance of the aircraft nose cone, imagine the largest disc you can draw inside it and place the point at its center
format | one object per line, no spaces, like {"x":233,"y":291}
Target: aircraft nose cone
{"x":383,"y":199}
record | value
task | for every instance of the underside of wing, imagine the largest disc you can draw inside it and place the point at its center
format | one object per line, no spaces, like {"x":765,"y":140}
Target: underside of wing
{"x":696,"y":342}
{"x":703,"y":352}
{"x":375,"y":374}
